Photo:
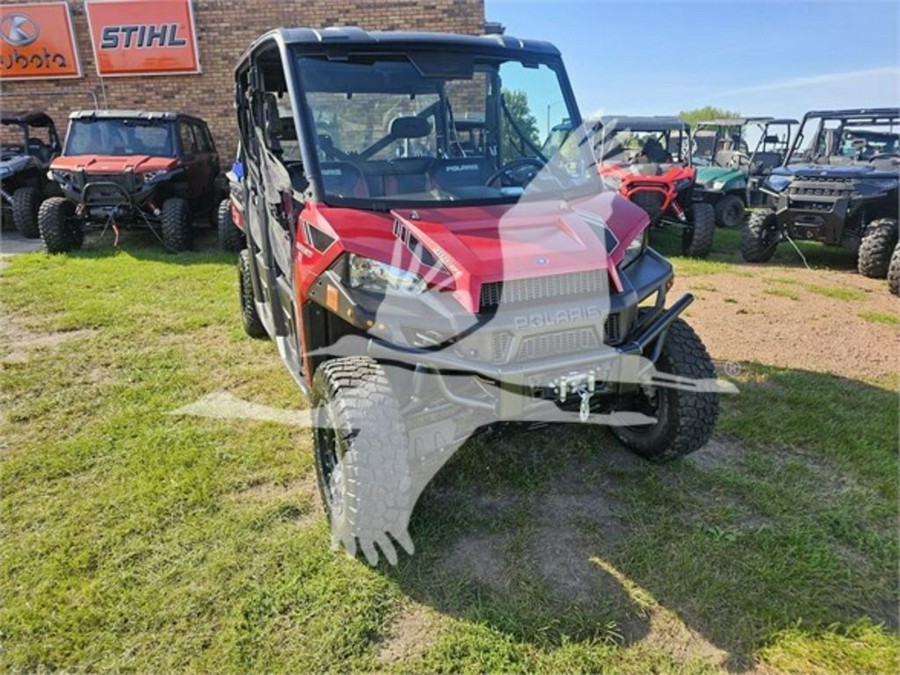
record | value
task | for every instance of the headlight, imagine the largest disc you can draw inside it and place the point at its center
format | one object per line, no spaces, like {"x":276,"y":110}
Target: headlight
{"x":612,"y":182}
{"x":777,"y":183}
{"x":151,"y":176}
{"x":718,"y":184}
{"x":372,"y":275}
{"x":635,"y":248}
{"x":5,"y":170}
{"x":59,"y":176}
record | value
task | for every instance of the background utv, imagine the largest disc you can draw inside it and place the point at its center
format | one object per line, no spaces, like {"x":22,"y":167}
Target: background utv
{"x":24,"y":158}
{"x":154,"y":170}
{"x":422,"y":279}
{"x":838,"y":186}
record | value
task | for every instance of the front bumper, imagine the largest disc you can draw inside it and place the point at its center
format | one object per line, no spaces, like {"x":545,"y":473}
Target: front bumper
{"x":521,"y":388}
{"x":121,"y":196}
{"x":524,"y":352}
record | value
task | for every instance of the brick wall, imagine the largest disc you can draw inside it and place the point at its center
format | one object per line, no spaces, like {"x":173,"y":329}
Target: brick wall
{"x":225,"y":28}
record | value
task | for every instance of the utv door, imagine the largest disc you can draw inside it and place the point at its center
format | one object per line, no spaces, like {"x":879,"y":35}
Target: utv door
{"x":270,"y":209}
{"x":207,"y":164}
{"x":193,"y":163}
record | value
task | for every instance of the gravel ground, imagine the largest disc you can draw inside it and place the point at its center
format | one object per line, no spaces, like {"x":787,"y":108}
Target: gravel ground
{"x":798,"y":318}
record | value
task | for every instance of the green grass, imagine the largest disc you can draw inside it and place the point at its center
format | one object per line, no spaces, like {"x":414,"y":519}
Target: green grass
{"x":881,"y":317}
{"x":136,"y":540}
{"x":782,"y":292}
{"x":848,"y":294}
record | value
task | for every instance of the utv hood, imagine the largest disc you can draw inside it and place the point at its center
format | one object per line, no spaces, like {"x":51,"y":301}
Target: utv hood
{"x":13,"y":163}
{"x":478,"y":245}
{"x":709,"y":176}
{"x":113,"y":163}
{"x":880,"y":178}
{"x":837,"y":171}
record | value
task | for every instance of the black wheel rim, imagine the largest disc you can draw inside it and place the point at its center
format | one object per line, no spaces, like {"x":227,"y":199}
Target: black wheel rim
{"x":331,"y":448}
{"x":648,"y":403}
{"x":733,"y":214}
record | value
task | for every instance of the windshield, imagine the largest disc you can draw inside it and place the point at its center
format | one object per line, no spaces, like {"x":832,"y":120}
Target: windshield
{"x":847,"y":141}
{"x":621,"y":145}
{"x":121,"y":137}
{"x":438,"y":128}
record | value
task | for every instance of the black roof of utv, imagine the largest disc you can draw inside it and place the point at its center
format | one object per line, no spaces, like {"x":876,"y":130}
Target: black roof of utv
{"x":341,"y":36}
{"x":30,"y":118}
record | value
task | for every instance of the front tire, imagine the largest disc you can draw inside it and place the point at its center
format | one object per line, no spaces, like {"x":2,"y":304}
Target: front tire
{"x":26,"y":204}
{"x":760,"y":237}
{"x":362,"y":457}
{"x":231,"y":239}
{"x":60,"y":230}
{"x":685,"y":418}
{"x":253,"y":325}
{"x":177,"y":229}
{"x":876,"y":248}
{"x":729,"y":211}
{"x":697,"y":237}
{"x":894,"y":272}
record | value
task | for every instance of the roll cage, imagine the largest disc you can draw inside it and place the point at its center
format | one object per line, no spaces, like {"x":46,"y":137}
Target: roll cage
{"x":823,"y":137}
{"x":267,"y":81}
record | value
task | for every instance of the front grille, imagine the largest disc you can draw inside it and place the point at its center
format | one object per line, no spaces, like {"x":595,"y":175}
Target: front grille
{"x":100,"y":190}
{"x":822,"y":187}
{"x":495,"y":293}
{"x":563,"y":342}
{"x":573,"y":341}
{"x":612,"y":329}
{"x":651,"y":202}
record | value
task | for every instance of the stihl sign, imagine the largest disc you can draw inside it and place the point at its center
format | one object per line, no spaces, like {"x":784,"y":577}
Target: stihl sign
{"x":143,"y":37}
{"x":139,"y":36}
{"x":37,"y":42}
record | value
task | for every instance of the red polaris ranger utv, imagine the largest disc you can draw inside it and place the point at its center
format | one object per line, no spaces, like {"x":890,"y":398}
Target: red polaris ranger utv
{"x":648,"y":160}
{"x":421,"y":286}
{"x":123,"y":168}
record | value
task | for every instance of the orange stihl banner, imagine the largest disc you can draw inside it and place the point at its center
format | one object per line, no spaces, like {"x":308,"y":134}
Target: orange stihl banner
{"x":143,"y":37}
{"x":37,"y":42}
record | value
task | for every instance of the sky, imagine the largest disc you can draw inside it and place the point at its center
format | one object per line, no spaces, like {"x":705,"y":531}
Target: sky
{"x":756,"y":57}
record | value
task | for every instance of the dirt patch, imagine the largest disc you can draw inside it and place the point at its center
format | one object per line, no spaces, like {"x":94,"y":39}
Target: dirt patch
{"x":719,"y":453}
{"x":409,"y":635}
{"x":19,"y":342}
{"x":745,"y":321}
{"x":482,"y":557}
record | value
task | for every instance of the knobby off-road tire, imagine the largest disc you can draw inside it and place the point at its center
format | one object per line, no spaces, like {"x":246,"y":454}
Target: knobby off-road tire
{"x":894,"y":272}
{"x":60,"y":230}
{"x":231,"y":239}
{"x":697,"y":236}
{"x":362,"y":457}
{"x":685,"y":419}
{"x":876,"y":248}
{"x":760,"y":237}
{"x":253,"y":325}
{"x":729,"y":211}
{"x":26,"y":204}
{"x":175,"y":222}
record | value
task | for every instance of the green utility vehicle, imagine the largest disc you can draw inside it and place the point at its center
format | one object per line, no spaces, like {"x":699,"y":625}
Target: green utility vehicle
{"x":729,"y":174}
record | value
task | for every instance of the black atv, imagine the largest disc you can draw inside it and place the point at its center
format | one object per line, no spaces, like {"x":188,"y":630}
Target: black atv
{"x":24,"y":158}
{"x":838,"y":186}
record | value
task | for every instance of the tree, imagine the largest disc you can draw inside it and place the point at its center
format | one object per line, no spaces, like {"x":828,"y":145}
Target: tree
{"x":512,"y":145}
{"x":707,"y":112}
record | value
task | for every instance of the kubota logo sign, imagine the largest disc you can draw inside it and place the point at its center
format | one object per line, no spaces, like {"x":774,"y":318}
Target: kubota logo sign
{"x":37,"y":42}
{"x":143,"y":37}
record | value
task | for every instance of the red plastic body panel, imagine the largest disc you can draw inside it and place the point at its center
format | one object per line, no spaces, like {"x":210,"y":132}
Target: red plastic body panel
{"x":114,"y":163}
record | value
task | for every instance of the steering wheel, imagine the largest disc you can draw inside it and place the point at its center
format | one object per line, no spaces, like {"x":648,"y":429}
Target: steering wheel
{"x":884,"y":155}
{"x":526,"y":167}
